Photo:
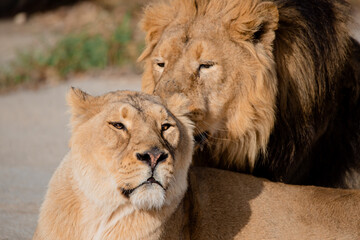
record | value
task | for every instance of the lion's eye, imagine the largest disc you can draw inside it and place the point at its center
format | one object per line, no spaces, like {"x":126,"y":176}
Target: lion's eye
{"x":206,"y":65}
{"x":117,"y":125}
{"x":161,"y":64}
{"x":165,"y":127}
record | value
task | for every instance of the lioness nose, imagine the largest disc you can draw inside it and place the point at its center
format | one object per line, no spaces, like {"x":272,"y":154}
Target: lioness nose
{"x":152,"y":157}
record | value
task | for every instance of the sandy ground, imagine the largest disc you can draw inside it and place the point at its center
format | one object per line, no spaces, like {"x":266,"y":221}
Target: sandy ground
{"x":33,"y":140}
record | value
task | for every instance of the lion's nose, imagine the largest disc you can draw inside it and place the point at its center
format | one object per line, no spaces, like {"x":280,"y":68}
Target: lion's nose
{"x":152,"y":157}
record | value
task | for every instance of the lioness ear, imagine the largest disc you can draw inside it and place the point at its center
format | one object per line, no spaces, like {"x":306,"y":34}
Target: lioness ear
{"x":82,"y":106}
{"x":256,"y":22}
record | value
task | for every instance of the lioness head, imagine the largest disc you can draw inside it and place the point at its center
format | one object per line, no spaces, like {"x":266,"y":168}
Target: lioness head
{"x":129,"y":149}
{"x":218,"y":54}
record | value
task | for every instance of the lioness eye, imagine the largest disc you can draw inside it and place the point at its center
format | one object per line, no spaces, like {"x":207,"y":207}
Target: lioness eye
{"x":161,"y":64}
{"x":206,"y":65}
{"x":117,"y":125}
{"x":165,"y":127}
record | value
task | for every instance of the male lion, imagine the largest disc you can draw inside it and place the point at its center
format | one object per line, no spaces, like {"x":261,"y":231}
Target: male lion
{"x":126,"y":177}
{"x":274,"y":84}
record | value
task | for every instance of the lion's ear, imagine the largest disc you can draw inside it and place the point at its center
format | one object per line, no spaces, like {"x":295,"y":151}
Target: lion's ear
{"x":157,"y":16}
{"x":256,"y":22}
{"x":82,"y":106}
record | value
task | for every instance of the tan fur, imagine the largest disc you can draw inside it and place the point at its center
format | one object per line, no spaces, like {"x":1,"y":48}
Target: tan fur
{"x":234,"y":100}
{"x":226,"y":205}
{"x":86,"y":198}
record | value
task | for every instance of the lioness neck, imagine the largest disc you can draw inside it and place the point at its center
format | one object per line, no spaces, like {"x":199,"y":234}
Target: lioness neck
{"x":129,"y":223}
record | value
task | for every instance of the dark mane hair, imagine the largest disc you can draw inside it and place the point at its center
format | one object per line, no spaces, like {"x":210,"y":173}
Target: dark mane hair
{"x":316,"y":139}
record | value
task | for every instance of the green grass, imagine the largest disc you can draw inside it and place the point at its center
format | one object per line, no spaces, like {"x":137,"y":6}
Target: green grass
{"x":74,"y":53}
{"x":78,"y":53}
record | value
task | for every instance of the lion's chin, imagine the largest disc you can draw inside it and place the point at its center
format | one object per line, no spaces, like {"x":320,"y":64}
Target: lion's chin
{"x":148,"y":196}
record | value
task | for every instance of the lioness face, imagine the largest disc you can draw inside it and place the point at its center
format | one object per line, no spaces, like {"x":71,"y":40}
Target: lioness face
{"x":220,"y":65}
{"x":129,"y":149}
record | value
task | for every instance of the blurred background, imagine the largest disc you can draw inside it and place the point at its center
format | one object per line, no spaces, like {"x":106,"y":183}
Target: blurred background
{"x":51,"y":41}
{"x":46,"y":46}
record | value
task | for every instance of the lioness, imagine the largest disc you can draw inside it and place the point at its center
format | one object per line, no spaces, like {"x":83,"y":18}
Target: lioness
{"x":274,"y":85}
{"x":125,"y":177}
{"x":126,"y":171}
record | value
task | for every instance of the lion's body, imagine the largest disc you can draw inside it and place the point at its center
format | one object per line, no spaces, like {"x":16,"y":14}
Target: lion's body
{"x":226,"y":205}
{"x":274,"y":84}
{"x":126,"y":171}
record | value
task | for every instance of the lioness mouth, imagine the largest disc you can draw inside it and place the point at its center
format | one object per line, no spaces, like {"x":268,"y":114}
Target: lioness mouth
{"x":151,"y":180}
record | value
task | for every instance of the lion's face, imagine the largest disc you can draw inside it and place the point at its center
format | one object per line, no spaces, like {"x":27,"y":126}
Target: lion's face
{"x":129,"y":149}
{"x":219,"y":55}
{"x":197,"y":70}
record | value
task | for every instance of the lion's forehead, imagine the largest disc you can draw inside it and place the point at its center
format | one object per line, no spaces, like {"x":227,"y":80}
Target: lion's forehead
{"x":187,"y":43}
{"x":206,"y":27}
{"x":171,"y":45}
